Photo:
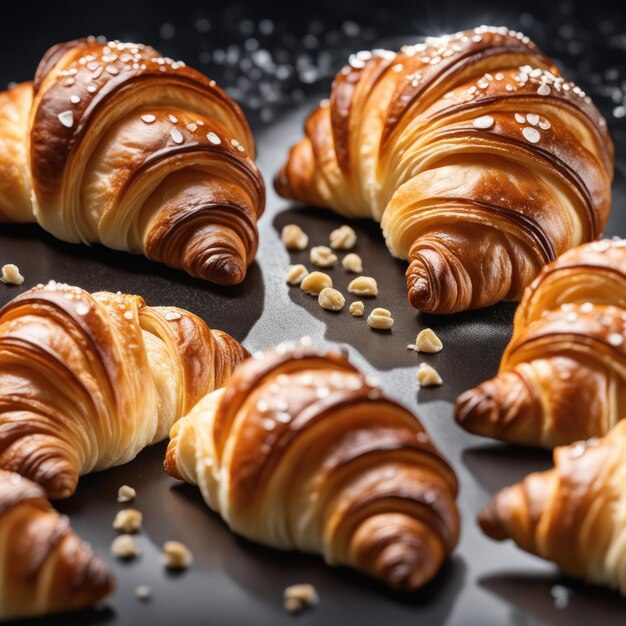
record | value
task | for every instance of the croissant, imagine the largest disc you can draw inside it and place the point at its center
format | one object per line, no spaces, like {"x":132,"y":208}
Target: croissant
{"x":563,"y":375}
{"x":478,"y":159}
{"x":45,"y":568}
{"x":572,"y":514}
{"x":115,"y":144}
{"x":301,"y":452}
{"x":88,"y":381}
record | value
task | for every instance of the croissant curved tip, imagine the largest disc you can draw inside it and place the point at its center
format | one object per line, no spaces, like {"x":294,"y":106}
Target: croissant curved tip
{"x":491,"y":522}
{"x":474,"y":407}
{"x":224,"y":269}
{"x":61,"y":486}
{"x":281,"y":183}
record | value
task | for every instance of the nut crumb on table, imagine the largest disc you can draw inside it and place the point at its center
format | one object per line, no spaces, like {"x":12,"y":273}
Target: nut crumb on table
{"x":128,"y":520}
{"x":176,"y":555}
{"x":363,"y":286}
{"x":143,"y":592}
{"x":126,"y":494}
{"x":343,"y":238}
{"x":427,"y":341}
{"x":380,"y":319}
{"x":294,"y":237}
{"x":296,"y":274}
{"x":357,"y":309}
{"x":315,"y":282}
{"x":427,"y":376}
{"x":11,"y":274}
{"x":331,"y":299}
{"x":124,"y":547}
{"x":352,"y":263}
{"x":296,"y":597}
{"x":323,"y":256}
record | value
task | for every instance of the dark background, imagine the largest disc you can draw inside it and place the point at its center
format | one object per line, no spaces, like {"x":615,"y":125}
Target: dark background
{"x":277,"y":60}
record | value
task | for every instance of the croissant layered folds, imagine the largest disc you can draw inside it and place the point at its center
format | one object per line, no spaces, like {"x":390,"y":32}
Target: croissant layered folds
{"x":480,"y":161}
{"x":44,"y":567}
{"x":563,"y":375}
{"x":88,"y":381}
{"x":115,"y":144}
{"x":572,"y":514}
{"x":300,"y":451}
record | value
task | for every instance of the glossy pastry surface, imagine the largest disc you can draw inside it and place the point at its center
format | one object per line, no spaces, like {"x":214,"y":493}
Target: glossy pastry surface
{"x":480,"y":161}
{"x":89,"y":380}
{"x":300,"y":452}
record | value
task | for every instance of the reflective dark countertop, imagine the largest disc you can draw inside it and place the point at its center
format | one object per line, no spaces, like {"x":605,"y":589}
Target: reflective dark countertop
{"x":277,"y":61}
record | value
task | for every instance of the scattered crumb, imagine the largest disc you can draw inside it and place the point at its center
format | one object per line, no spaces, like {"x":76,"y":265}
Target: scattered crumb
{"x":427,"y":341}
{"x":352,"y":263}
{"x":176,"y":555}
{"x":124,"y":547}
{"x":380,"y":319}
{"x":323,"y":256}
{"x":143,"y":592}
{"x":315,"y":282}
{"x":297,"y":597}
{"x":11,"y":275}
{"x":427,"y":376}
{"x":561,"y":595}
{"x":363,"y":286}
{"x":412,"y":346}
{"x":343,"y":238}
{"x":128,"y":520}
{"x":331,"y":299}
{"x":294,"y":237}
{"x":357,"y":309}
{"x":296,"y":274}
{"x":126,"y":494}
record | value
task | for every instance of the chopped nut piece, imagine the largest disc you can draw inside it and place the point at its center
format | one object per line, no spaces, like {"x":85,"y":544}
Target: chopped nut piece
{"x":295,"y":274}
{"x":128,"y":520}
{"x":126,"y":494}
{"x":176,"y":555}
{"x":363,"y":286}
{"x":343,"y":238}
{"x":428,"y":376}
{"x":294,"y":237}
{"x":323,"y":256}
{"x":143,"y":592}
{"x":11,"y":274}
{"x":427,"y":341}
{"x":412,"y":346}
{"x":352,"y":263}
{"x":380,"y":319}
{"x":124,"y":547}
{"x":357,"y":309}
{"x":315,"y":282}
{"x":331,"y":299}
{"x":298,"y":596}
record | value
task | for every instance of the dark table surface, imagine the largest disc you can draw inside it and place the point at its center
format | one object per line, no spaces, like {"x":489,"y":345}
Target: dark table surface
{"x":278,"y":61}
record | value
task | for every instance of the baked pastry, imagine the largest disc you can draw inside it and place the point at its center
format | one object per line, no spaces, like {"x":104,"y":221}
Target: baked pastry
{"x":563,"y":375}
{"x":44,"y":567}
{"x":115,"y":144}
{"x":478,"y":159}
{"x":301,"y":452}
{"x":88,"y":381}
{"x":572,"y":514}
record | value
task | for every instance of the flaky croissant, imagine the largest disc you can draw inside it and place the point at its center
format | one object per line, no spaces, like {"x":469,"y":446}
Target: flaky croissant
{"x":115,"y":144}
{"x":44,"y":567}
{"x":300,"y":452}
{"x":88,"y":381}
{"x":572,"y":514}
{"x":563,"y":375}
{"x":478,"y":159}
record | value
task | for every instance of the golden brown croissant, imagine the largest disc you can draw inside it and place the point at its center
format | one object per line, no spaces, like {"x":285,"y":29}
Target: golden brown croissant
{"x":88,"y":381}
{"x":115,"y":144}
{"x":300,"y":451}
{"x":45,"y":568}
{"x":480,"y":161}
{"x":563,"y":375}
{"x":572,"y":514}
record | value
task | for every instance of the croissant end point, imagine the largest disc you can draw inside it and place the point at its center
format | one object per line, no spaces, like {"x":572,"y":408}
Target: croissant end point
{"x":422,"y":296}
{"x":224,"y":270}
{"x":491,"y":524}
{"x":280,"y":182}
{"x":474,"y":407}
{"x":60,"y":487}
